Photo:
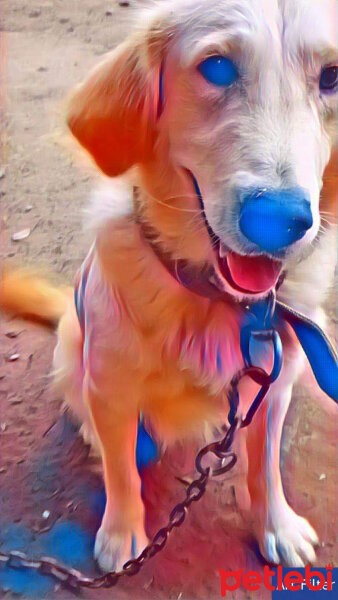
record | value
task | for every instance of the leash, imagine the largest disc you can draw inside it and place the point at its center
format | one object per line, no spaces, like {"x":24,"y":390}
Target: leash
{"x":262,"y":321}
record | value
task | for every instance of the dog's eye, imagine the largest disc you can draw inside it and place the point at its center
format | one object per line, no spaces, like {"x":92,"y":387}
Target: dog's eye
{"x":219,"y":70}
{"x":328,"y":79}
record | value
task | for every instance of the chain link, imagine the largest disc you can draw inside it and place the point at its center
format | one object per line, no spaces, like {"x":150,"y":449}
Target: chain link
{"x":221,"y":449}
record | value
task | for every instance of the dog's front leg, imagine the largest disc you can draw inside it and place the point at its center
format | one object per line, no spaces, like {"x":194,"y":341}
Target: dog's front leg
{"x":283,"y":536}
{"x":121,"y":535}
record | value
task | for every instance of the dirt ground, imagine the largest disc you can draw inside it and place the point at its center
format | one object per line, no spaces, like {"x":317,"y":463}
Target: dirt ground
{"x":51,"y":493}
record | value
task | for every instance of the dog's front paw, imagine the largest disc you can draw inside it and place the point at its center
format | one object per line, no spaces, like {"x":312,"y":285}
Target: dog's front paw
{"x":113,"y":549}
{"x":288,"y":539}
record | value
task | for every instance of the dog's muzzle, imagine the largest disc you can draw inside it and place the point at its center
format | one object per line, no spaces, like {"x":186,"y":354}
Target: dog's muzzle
{"x":275,"y":219}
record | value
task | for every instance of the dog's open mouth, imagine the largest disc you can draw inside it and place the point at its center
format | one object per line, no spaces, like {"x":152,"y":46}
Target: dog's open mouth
{"x":248,"y":274}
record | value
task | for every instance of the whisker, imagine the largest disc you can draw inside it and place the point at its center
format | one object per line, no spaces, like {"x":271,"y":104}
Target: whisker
{"x":214,"y":240}
{"x":327,"y":221}
{"x":176,"y":197}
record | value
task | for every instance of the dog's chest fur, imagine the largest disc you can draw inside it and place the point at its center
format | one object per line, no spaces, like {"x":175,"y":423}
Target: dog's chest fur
{"x":181,"y":350}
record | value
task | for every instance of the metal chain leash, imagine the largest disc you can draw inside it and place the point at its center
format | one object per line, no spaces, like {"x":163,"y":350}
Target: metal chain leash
{"x":221,"y":449}
{"x":75,"y":579}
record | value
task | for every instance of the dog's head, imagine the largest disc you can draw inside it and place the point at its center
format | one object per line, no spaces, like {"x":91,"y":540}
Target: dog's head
{"x":228,"y":110}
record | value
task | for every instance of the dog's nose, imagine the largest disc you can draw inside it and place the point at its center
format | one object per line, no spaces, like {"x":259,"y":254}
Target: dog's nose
{"x":275,"y":219}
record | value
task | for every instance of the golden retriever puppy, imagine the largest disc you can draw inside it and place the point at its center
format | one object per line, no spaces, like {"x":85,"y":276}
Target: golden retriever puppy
{"x":217,"y":118}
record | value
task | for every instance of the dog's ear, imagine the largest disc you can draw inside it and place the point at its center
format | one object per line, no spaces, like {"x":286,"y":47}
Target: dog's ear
{"x":113,"y":113}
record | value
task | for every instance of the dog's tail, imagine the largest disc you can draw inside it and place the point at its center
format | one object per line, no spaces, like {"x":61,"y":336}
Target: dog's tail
{"x":25,"y":294}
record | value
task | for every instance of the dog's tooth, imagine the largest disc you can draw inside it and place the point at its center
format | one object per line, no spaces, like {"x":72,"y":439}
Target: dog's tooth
{"x":222,"y":250}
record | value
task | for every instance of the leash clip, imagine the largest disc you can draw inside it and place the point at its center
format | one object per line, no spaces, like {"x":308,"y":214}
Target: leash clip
{"x":270,"y":335}
{"x":260,"y":329}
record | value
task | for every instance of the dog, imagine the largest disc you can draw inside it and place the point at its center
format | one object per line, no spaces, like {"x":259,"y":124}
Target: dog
{"x":215,"y":124}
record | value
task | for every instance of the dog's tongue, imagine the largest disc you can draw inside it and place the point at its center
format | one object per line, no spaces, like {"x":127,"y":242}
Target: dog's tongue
{"x":252,"y":273}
